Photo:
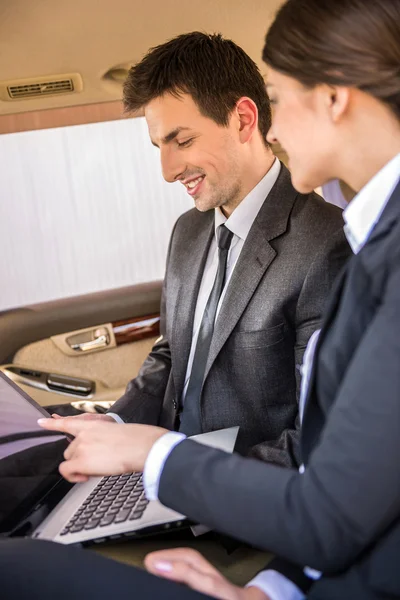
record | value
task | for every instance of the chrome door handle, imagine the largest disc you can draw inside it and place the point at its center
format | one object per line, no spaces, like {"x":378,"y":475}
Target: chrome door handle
{"x":100,"y":342}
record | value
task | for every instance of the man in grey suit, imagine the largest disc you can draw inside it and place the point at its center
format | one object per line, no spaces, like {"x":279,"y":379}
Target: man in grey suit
{"x":229,"y":356}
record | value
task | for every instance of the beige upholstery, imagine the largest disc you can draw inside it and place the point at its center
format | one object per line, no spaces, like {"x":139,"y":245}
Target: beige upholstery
{"x":114,"y":367}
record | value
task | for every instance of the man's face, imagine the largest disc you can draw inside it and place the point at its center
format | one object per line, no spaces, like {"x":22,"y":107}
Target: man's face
{"x":204,"y":156}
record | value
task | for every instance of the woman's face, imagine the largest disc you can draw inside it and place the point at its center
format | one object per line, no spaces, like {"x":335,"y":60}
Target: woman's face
{"x":302,"y":123}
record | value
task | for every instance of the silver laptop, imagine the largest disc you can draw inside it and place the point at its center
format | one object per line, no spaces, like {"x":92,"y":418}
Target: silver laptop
{"x":35,"y":501}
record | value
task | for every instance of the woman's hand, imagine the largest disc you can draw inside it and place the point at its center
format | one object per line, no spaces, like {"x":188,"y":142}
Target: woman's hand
{"x":102,"y":448}
{"x":185,"y":565}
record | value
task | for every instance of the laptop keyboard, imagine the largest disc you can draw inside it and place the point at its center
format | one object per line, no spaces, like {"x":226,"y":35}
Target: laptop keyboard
{"x":115,"y":499}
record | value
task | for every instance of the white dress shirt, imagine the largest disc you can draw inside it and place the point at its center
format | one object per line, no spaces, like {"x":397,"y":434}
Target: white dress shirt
{"x":333,"y":194}
{"x":364,"y":211}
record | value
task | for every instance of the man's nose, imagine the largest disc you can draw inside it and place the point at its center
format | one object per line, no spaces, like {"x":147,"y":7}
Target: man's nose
{"x":172,"y":165}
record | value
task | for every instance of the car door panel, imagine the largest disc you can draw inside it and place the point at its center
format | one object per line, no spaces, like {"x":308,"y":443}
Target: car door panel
{"x":40,"y":343}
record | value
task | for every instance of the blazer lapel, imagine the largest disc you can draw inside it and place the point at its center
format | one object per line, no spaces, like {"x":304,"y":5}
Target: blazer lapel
{"x":389,"y":216}
{"x":313,"y":416}
{"x":255,"y":258}
{"x":311,"y":425}
{"x":186,"y":300}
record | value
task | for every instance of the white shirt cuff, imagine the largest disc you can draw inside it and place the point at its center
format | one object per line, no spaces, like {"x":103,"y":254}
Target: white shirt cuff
{"x":115,"y":417}
{"x":276,"y":586}
{"x":155,"y":462}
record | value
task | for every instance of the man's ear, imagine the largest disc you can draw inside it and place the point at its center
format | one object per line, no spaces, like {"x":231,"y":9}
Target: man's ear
{"x":247,"y":117}
{"x":338,"y":99}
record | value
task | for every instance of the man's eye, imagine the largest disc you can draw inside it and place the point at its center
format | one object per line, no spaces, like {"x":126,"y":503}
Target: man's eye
{"x":185,"y":143}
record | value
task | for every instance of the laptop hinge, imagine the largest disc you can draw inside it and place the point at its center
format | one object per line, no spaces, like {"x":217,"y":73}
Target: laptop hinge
{"x":42,"y":509}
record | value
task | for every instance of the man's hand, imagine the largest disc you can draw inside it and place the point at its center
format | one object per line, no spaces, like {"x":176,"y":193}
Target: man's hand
{"x":103,"y":448}
{"x":188,"y":566}
{"x":88,"y":417}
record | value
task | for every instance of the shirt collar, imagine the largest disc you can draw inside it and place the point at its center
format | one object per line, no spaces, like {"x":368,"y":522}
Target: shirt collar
{"x":242,"y":218}
{"x":365,"y":210}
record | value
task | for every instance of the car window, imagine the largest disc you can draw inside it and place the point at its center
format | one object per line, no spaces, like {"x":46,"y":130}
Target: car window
{"x":83,"y":209}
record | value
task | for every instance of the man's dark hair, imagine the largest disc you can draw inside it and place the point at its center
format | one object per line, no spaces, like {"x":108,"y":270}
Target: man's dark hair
{"x":214,"y":71}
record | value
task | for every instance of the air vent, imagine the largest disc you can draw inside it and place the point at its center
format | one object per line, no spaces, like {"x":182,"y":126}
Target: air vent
{"x":40,"y":87}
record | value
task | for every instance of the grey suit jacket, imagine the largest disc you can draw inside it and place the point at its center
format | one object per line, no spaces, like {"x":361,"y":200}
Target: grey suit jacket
{"x":272,"y":305}
{"x":342,"y":516}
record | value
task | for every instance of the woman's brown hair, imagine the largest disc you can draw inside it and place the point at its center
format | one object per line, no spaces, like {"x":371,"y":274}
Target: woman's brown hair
{"x":353,"y":43}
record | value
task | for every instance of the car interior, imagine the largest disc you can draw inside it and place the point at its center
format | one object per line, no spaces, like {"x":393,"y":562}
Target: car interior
{"x":62,"y":66}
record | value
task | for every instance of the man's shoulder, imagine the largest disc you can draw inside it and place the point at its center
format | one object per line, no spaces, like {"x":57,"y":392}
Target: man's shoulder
{"x":314,"y":228}
{"x":312,"y":205}
{"x":305,"y":215}
{"x":314,"y":216}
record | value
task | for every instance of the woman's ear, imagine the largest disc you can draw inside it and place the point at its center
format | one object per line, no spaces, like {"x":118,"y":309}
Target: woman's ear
{"x":338,"y":98}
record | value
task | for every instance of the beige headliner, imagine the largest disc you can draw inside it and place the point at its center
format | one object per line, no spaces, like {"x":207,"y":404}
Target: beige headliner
{"x":46,"y":37}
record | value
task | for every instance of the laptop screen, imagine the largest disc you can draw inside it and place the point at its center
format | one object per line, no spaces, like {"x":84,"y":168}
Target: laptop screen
{"x":29,"y":455}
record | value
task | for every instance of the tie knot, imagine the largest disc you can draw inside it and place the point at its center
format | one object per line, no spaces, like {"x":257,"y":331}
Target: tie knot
{"x":224,"y":237}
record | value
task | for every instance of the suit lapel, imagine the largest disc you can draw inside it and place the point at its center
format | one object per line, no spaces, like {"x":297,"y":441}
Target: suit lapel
{"x":313,"y":416}
{"x":311,"y":426}
{"x":255,"y":258}
{"x":186,"y":299}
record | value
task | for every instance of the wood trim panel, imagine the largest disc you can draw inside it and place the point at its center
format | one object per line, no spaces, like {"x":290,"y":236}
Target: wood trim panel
{"x":132,"y":330}
{"x":62,"y":117}
{"x":25,"y":325}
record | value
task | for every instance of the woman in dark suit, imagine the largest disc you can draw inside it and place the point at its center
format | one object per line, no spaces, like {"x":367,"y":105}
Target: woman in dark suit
{"x":334,"y":82}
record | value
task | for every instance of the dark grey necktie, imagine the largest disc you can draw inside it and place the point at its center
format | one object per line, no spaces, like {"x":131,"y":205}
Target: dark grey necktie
{"x":191,"y":415}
